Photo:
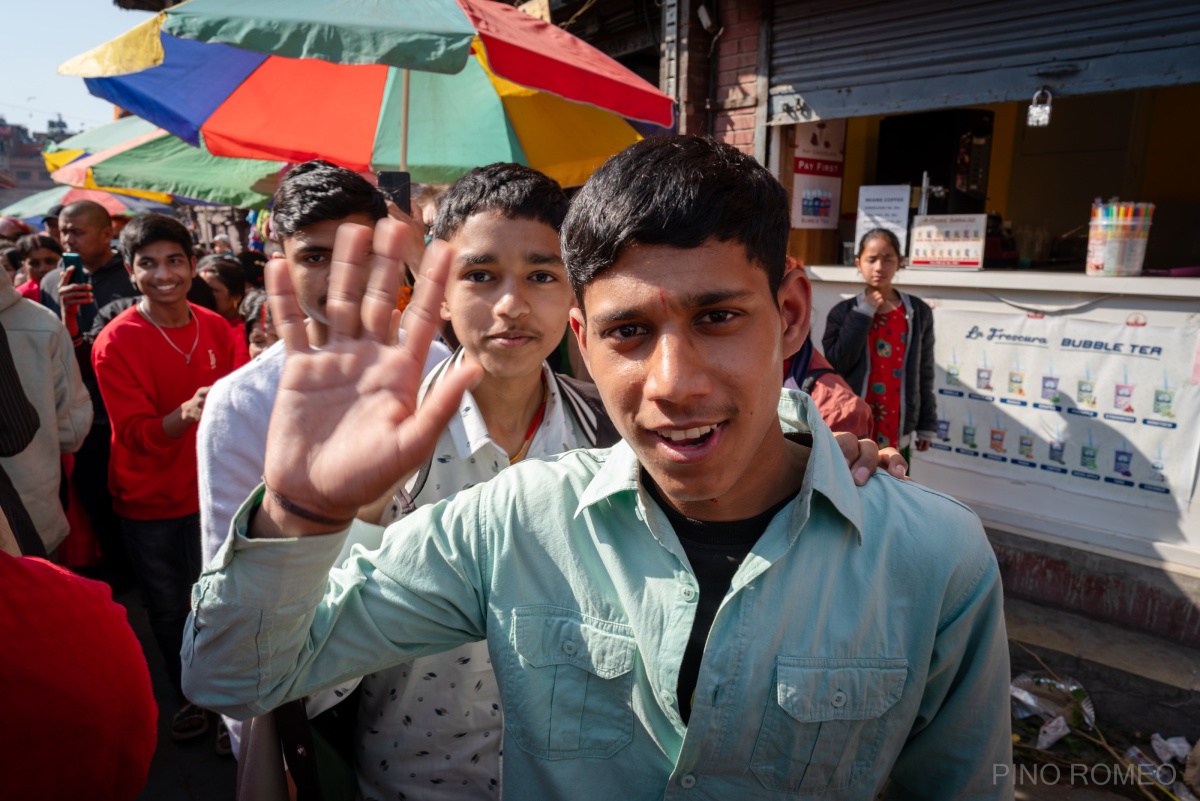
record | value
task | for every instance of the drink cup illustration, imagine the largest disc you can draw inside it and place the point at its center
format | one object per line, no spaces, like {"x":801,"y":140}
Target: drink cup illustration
{"x":1087,"y":456}
{"x":968,"y":436}
{"x":952,"y":376}
{"x":943,"y":430}
{"x":997,"y":441}
{"x":1050,"y":388}
{"x":1123,"y":463}
{"x":1158,"y":470}
{"x":1085,"y":394}
{"x":1164,"y":400}
{"x":1026,"y":446}
{"x":1016,"y":382}
{"x":1057,"y":450}
{"x":1123,"y":398}
{"x":983,"y":378}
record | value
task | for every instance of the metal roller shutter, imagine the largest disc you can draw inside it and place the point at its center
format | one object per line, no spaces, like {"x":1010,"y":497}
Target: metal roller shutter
{"x":862,"y":57}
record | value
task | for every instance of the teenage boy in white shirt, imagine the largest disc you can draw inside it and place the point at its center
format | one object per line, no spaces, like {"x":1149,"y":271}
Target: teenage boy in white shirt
{"x":313,"y":199}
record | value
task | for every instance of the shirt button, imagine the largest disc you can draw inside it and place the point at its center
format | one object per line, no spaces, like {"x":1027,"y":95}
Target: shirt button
{"x":687,"y":782}
{"x":569,"y":647}
{"x":687,"y":592}
{"x":839,"y":699}
{"x":667,"y":697}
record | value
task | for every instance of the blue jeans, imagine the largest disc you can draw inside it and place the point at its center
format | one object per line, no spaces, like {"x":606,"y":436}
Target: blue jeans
{"x":166,"y":558}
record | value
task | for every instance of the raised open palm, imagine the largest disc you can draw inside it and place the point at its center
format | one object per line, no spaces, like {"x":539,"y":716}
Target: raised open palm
{"x":346,"y":422}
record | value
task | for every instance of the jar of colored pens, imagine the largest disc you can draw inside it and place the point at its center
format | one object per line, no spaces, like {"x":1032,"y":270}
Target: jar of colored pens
{"x":1117,"y":236}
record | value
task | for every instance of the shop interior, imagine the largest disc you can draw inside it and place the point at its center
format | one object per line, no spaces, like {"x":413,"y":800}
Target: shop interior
{"x":1037,"y":184}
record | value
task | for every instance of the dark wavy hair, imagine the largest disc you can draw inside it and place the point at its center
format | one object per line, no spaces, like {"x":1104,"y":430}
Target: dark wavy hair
{"x":316,"y":191}
{"x":514,"y":190}
{"x":29,"y":243}
{"x":228,"y":271}
{"x":146,"y":229}
{"x":679,"y":191}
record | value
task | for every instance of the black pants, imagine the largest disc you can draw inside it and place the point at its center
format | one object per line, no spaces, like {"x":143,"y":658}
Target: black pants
{"x":166,"y":558}
{"x":91,"y":485}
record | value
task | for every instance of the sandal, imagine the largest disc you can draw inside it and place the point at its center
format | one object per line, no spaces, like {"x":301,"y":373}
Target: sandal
{"x":190,"y":721}
{"x":224,"y":746}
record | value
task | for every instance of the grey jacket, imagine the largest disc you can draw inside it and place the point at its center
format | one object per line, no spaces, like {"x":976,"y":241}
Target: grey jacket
{"x":50,"y":377}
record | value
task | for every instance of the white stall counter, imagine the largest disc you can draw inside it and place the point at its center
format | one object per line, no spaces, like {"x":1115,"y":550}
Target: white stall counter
{"x":1040,"y":504}
{"x":1030,"y":280}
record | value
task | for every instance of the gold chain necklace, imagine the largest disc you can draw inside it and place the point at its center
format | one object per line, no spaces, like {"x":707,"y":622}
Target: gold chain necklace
{"x":186,"y":356}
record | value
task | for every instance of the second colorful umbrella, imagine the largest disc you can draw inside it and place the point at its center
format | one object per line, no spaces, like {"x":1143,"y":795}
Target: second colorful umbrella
{"x":152,"y":159}
{"x":34,"y":207}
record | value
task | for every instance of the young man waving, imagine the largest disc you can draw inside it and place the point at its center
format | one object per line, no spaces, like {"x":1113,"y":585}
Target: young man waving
{"x":710,"y":608}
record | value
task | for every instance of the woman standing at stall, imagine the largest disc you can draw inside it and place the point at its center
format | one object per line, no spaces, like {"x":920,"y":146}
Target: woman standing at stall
{"x":881,"y":341}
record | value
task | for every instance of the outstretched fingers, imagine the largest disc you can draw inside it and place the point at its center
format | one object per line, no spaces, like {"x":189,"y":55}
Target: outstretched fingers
{"x":421,"y":319}
{"x":349,"y":273}
{"x":286,"y":315}
{"x":383,"y":284}
{"x":419,"y":433}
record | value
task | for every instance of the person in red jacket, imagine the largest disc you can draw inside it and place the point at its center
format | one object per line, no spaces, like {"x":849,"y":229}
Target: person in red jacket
{"x":808,"y":371}
{"x":155,"y":363}
{"x":79,"y":713}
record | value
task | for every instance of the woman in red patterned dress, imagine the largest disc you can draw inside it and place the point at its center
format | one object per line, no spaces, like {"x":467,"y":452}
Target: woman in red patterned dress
{"x":881,"y":341}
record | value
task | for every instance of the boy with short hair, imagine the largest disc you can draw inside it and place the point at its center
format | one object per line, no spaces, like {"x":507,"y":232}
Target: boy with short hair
{"x":313,"y":199}
{"x":432,"y":728}
{"x":154,"y":364}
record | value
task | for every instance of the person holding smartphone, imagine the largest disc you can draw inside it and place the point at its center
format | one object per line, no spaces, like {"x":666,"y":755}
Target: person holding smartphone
{"x":90,"y":277}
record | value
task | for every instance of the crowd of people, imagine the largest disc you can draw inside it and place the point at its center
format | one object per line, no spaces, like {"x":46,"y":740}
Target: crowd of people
{"x":565,"y":490}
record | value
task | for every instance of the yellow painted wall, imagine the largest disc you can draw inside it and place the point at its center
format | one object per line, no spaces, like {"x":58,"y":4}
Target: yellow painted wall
{"x":1004,"y":134}
{"x":862,"y":147}
{"x":1172,"y":166}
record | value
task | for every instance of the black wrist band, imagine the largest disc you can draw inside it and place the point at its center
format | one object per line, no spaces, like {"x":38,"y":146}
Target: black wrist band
{"x":293,"y":508}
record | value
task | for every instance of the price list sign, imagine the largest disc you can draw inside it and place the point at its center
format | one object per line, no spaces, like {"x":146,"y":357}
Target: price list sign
{"x":948,"y":241}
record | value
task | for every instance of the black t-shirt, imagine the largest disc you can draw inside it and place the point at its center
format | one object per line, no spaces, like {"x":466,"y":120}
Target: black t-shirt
{"x":716,"y":551}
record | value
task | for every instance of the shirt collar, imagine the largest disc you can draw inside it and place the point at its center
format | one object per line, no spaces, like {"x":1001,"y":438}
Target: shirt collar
{"x":468,"y":430}
{"x":826,"y":474}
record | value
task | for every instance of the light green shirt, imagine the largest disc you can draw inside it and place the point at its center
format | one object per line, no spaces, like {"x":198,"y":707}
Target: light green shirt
{"x":862,"y":637}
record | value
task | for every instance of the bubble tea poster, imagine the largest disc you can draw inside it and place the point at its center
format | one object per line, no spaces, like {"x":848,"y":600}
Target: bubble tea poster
{"x":817,"y":183}
{"x":1087,"y":407}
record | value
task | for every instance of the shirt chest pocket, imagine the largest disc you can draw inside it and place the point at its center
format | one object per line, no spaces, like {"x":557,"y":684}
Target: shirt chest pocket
{"x":569,"y":690}
{"x":824,"y":721}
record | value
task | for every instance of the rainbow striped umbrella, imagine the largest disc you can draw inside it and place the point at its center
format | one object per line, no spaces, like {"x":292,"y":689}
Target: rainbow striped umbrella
{"x":438,"y":86}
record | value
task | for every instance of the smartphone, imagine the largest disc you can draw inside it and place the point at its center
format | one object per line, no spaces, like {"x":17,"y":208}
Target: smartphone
{"x":76,"y":261}
{"x":396,"y":187}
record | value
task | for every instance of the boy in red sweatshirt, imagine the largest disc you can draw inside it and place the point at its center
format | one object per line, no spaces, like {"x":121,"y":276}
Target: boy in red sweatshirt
{"x":155,"y":363}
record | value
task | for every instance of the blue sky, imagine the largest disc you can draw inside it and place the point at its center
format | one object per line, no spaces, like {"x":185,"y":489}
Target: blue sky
{"x":40,"y":36}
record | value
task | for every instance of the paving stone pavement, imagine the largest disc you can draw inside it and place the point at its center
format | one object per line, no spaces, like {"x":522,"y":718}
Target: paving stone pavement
{"x":188,"y":771}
